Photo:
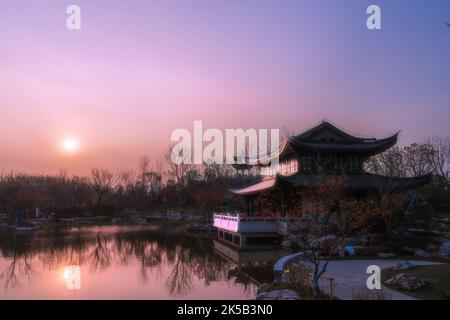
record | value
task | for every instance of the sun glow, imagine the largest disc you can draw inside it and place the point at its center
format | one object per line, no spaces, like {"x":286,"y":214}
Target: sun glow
{"x":70,"y":145}
{"x":71,"y":275}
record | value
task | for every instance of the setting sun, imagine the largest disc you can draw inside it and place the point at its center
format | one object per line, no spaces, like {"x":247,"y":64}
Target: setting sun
{"x":70,"y":145}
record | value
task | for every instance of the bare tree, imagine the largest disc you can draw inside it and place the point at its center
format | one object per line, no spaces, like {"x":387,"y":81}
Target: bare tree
{"x":418,"y":158}
{"x":102,"y":182}
{"x":328,"y":217}
{"x":390,"y":163}
{"x":178,"y":172}
{"x":144,"y":168}
{"x":441,"y":156}
{"x":388,"y":204}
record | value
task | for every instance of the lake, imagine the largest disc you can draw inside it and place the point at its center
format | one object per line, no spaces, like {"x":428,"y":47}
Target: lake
{"x":117,"y":262}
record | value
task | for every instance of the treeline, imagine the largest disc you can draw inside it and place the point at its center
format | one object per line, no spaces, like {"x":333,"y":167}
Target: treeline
{"x":159,"y":184}
{"x":429,"y":156}
{"x":432,"y":155}
{"x":165,"y":185}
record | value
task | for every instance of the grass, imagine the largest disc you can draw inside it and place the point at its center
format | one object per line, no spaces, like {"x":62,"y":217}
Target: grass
{"x":437,"y":278}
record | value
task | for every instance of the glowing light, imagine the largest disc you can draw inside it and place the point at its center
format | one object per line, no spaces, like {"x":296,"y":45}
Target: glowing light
{"x":71,"y":275}
{"x":70,"y":145}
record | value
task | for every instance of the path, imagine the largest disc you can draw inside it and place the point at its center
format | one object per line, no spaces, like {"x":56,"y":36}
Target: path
{"x":349,"y":274}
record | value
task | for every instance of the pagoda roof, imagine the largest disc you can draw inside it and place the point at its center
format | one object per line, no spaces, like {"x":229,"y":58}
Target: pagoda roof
{"x":256,"y":188}
{"x":327,"y":138}
{"x":367,"y":147}
{"x":358,"y":181}
{"x":323,"y":138}
{"x":363,"y":181}
{"x":326,"y":125}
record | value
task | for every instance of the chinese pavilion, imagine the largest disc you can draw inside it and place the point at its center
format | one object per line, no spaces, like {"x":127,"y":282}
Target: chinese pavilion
{"x":305,"y":160}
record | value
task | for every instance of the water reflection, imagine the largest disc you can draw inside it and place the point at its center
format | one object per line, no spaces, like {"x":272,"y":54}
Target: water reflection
{"x":143,"y":262}
{"x":72,"y":276}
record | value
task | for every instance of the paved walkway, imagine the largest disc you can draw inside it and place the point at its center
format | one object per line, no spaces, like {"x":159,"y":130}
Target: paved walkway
{"x":349,"y":274}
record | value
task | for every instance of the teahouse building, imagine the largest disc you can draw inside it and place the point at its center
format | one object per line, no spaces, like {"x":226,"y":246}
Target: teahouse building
{"x":305,"y":161}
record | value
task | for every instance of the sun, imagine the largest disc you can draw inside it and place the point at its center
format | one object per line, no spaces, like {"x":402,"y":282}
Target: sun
{"x":70,"y":145}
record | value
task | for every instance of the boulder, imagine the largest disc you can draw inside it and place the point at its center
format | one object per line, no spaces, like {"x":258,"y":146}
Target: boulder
{"x":264,"y":287}
{"x":328,"y":240}
{"x":363,"y":241}
{"x":287,"y":243}
{"x":447,"y":295}
{"x":402,"y":266}
{"x":406,"y":282}
{"x":349,"y":242}
{"x":444,"y":249}
{"x":386,"y":255}
{"x":409,"y":250}
{"x":293,"y":237}
{"x":330,"y":237}
{"x":284,"y":294}
{"x":421,"y":253}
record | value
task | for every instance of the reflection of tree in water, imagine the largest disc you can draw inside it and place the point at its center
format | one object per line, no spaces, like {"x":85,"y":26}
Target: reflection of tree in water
{"x":188,"y":259}
{"x":62,"y":248}
{"x":100,"y":256}
{"x":19,"y":267}
{"x":188,"y":265}
{"x":179,"y":281}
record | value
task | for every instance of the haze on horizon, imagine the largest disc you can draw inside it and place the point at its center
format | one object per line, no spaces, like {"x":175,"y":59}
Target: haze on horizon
{"x":137,"y":70}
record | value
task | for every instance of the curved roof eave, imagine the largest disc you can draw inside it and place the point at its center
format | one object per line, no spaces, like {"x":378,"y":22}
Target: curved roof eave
{"x":369,"y":147}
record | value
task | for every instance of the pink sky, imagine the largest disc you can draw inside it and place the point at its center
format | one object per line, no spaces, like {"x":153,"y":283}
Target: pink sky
{"x":137,"y":71}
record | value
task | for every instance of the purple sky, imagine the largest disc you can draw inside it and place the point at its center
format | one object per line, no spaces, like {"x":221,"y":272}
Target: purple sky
{"x":140,"y":69}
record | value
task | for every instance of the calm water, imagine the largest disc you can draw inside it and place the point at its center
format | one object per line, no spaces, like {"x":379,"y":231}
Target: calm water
{"x":116,"y":263}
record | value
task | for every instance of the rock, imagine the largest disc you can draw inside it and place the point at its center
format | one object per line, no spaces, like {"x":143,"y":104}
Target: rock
{"x":278,"y":295}
{"x":363,"y":240}
{"x":328,"y":240}
{"x":293,"y":237}
{"x":447,"y":295}
{"x":402,"y":266}
{"x":349,"y":242}
{"x":406,"y":282}
{"x":407,"y":249}
{"x":418,"y":230}
{"x":444,"y":249}
{"x":264,"y":287}
{"x":330,"y":237}
{"x":287,"y":243}
{"x":445,"y":220}
{"x":386,"y":255}
{"x":421,"y":253}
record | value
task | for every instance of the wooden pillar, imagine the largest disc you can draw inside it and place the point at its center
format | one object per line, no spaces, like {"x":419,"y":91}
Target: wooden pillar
{"x":248,"y":206}
{"x":242,"y":240}
{"x":283,"y":205}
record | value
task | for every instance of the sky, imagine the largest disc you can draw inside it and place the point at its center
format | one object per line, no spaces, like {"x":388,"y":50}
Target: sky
{"x":137,"y":70}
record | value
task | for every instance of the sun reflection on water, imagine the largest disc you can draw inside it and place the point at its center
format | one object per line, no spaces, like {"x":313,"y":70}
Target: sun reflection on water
{"x":71,"y":275}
